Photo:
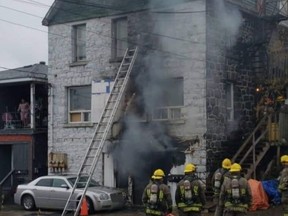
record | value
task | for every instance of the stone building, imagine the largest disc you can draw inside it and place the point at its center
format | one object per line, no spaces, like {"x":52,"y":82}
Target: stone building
{"x":192,"y":89}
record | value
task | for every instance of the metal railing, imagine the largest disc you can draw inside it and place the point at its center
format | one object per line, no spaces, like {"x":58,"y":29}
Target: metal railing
{"x":250,"y":144}
{"x":1,"y":186}
{"x":12,"y":120}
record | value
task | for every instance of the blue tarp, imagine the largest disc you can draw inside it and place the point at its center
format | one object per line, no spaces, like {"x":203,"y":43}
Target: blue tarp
{"x":271,"y":188}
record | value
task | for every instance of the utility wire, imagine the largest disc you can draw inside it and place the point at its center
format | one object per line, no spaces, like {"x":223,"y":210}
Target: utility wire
{"x":137,"y":44}
{"x":151,"y":33}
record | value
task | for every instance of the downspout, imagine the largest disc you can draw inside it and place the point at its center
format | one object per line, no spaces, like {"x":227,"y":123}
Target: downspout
{"x":51,"y":117}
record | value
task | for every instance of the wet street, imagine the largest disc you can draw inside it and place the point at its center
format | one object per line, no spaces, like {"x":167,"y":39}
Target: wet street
{"x":13,"y":210}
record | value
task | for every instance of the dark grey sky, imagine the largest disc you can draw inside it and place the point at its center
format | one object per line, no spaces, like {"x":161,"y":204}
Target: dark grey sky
{"x":21,"y":45}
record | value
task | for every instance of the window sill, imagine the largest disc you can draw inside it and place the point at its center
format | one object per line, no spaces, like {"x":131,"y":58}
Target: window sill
{"x":170,"y":121}
{"x":115,"y":60}
{"x":79,"y":63}
{"x":73,"y":125}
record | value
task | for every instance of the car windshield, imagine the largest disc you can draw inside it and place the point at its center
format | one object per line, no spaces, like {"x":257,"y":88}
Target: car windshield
{"x":82,"y":182}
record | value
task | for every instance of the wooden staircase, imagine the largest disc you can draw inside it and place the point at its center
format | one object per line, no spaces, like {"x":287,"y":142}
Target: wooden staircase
{"x":254,"y":148}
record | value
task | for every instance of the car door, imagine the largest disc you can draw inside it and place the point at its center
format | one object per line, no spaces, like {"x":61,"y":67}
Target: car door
{"x":41,"y":191}
{"x":59,"y":193}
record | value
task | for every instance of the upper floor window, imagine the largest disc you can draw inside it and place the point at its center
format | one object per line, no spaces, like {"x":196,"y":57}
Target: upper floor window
{"x":171,"y":102}
{"x":119,"y":37}
{"x":79,"y":104}
{"x":230,"y":101}
{"x":79,"y":33}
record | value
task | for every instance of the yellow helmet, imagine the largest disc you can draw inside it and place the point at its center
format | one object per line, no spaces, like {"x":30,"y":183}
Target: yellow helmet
{"x":284,"y":159}
{"x":189,"y":168}
{"x":235,"y":167}
{"x":226,"y":163}
{"x":158,"y":174}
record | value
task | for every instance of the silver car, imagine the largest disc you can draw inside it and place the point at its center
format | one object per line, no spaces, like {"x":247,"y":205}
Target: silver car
{"x":52,"y":192}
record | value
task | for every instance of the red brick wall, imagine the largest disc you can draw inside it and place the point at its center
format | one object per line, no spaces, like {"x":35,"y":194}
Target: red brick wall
{"x":15,"y":138}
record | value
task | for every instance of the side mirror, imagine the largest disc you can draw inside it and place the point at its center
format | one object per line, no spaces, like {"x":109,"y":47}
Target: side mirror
{"x":65,"y":186}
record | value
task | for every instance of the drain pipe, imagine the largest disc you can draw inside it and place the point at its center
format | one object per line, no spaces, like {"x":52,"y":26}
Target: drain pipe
{"x":51,"y":116}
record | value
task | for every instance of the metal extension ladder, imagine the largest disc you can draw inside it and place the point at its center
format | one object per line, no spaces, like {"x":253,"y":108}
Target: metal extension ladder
{"x":96,"y":145}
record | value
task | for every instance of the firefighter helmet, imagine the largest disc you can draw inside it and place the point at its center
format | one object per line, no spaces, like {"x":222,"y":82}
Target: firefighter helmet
{"x":235,"y":167}
{"x":226,"y":163}
{"x":158,"y":174}
{"x":189,"y":168}
{"x":284,"y":159}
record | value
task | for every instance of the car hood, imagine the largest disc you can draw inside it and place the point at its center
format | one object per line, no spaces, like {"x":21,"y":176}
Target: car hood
{"x":104,"y":189}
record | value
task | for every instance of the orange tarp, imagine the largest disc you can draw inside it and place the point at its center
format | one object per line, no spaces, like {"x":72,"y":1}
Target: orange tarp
{"x":259,"y":196}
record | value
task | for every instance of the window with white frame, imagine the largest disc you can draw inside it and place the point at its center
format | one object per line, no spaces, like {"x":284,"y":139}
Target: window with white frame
{"x":171,"y":102}
{"x":79,"y":37}
{"x":230,"y":101}
{"x":119,"y":37}
{"x":79,"y":104}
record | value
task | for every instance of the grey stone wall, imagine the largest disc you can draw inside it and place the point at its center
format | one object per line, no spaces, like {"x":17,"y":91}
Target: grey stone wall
{"x":225,"y":64}
{"x":153,"y":33}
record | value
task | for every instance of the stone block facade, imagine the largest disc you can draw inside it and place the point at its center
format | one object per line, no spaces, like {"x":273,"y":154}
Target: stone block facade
{"x":181,"y":56}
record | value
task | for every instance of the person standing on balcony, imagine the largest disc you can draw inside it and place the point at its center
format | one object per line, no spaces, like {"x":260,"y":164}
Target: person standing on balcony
{"x":24,"y":109}
{"x":283,"y":184}
{"x":235,"y":195}
{"x":217,"y":181}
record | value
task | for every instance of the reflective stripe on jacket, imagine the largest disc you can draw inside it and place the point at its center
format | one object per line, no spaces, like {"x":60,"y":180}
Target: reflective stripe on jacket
{"x":187,"y":207}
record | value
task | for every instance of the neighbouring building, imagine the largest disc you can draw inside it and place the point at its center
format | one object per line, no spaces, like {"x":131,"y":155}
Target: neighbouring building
{"x":23,"y":144}
{"x":192,"y":92}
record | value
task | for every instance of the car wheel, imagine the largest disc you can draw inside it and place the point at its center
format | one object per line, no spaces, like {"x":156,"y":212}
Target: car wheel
{"x":28,"y":202}
{"x":89,"y":206}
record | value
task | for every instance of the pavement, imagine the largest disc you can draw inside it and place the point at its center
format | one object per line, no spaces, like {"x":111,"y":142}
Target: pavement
{"x":15,"y":210}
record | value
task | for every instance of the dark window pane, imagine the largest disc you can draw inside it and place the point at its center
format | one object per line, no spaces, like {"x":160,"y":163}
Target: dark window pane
{"x":45,"y":183}
{"x":80,"y":98}
{"x":58,"y":182}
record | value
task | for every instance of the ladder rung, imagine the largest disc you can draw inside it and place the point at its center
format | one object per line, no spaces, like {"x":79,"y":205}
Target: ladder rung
{"x":92,"y":156}
{"x":101,"y":131}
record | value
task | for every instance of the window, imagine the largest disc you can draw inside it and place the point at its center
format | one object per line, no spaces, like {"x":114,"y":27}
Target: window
{"x":172,"y":100}
{"x":79,"y":33}
{"x":79,"y":104}
{"x":44,"y":183}
{"x":119,"y":37}
{"x":230,"y":101}
{"x":58,"y":182}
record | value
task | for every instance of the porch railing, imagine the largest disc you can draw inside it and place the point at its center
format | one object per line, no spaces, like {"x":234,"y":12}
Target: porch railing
{"x":248,"y":149}
{"x":1,"y":186}
{"x":12,"y":120}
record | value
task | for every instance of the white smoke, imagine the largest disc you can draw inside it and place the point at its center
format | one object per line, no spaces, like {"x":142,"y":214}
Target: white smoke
{"x":230,"y":20}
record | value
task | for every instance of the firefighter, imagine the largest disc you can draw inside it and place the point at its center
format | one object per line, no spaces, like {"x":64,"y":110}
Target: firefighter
{"x":217,"y":181}
{"x":190,"y":194}
{"x":235,"y":195}
{"x":283,"y":184}
{"x":156,"y":196}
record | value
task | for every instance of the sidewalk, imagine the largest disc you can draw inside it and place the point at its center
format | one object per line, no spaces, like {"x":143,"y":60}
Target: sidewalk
{"x":15,"y":210}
